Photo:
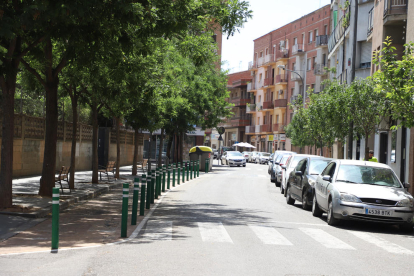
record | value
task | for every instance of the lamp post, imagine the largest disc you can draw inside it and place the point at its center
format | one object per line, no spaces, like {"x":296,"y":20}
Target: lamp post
{"x":301,"y":79}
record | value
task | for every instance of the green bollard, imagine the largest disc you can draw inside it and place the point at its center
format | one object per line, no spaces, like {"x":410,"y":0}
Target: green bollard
{"x":183,"y":172}
{"x":178,"y":174}
{"x":163,"y":178}
{"x":156,"y":182}
{"x":55,"y":218}
{"x":195,"y":169}
{"x":159,"y":180}
{"x":143,"y":184}
{"x":124,"y":221}
{"x":173,"y":171}
{"x":191,"y":170}
{"x":152,"y":186}
{"x":148,"y":199}
{"x":169,"y":176}
{"x":135,"y":202}
{"x":207,"y":165}
{"x":188,"y":170}
{"x":198,"y":168}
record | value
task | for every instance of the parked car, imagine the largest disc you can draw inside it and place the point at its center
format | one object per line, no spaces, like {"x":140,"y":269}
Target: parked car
{"x":252,"y":157}
{"x":359,"y":190}
{"x":272,"y":160}
{"x":302,"y":180}
{"x":224,"y":149}
{"x":262,"y":158}
{"x":215,"y":152}
{"x":288,"y":168}
{"x":246,"y":155}
{"x":277,"y":167}
{"x":270,"y":163}
{"x":233,"y":158}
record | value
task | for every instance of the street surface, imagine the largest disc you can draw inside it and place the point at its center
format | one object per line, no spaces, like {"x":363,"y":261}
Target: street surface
{"x":233,"y":221}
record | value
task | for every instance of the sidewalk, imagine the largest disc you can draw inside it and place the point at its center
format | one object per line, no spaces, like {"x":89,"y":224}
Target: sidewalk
{"x":82,"y":222}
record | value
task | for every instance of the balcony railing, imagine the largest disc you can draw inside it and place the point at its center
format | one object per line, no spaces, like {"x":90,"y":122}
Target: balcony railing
{"x":251,"y":86}
{"x":281,"y":78}
{"x":259,"y":107}
{"x":280,"y":103}
{"x":260,"y":61}
{"x":370,"y":22}
{"x":251,"y":108}
{"x":268,"y":105}
{"x":240,"y":122}
{"x":250,"y":129}
{"x":279,"y":127}
{"x":259,"y":84}
{"x":395,"y":7}
{"x":284,"y":53}
{"x":239,"y":101}
{"x":321,"y":41}
{"x":266,"y":128}
{"x":298,"y":49}
{"x":339,"y":30}
{"x":320,"y":70}
{"x":269,"y":59}
{"x":269,"y":81}
{"x":257,"y":128}
{"x":296,"y":76}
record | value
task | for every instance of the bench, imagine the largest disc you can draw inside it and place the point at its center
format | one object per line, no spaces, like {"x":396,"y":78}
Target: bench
{"x":110,"y":167}
{"x":142,"y":164}
{"x":63,"y":174}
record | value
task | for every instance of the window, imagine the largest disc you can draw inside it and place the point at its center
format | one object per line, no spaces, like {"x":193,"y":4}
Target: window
{"x":295,"y":41}
{"x":260,"y":98}
{"x":326,"y":29}
{"x":267,"y":51}
{"x":316,"y":33}
{"x":308,"y":64}
{"x":292,"y":91}
{"x":313,"y":62}
{"x":261,"y":54}
{"x":310,"y":37}
{"x":258,"y":121}
{"x":303,"y":38}
{"x":277,"y":119}
{"x":293,"y":66}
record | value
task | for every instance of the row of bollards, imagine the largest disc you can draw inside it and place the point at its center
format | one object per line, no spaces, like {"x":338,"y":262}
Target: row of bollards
{"x":151,"y":187}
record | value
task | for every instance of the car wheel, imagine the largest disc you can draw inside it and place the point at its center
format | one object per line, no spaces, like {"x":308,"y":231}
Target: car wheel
{"x":316,"y":212}
{"x":289,"y":199}
{"x":331,"y":219}
{"x":305,"y":204}
{"x":277,"y":183}
{"x":282,"y":191}
{"x":406,"y":227}
{"x":244,"y":165}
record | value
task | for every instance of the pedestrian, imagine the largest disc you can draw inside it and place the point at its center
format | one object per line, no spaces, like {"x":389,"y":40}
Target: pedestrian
{"x":371,"y":157}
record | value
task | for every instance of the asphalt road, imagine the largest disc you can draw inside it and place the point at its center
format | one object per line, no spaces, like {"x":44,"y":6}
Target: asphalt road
{"x":233,"y":222}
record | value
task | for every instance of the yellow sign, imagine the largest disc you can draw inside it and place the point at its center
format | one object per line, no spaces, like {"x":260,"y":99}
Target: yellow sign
{"x":270,"y":137}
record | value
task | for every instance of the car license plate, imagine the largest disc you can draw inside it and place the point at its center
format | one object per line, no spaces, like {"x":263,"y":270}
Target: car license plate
{"x":378,"y":212}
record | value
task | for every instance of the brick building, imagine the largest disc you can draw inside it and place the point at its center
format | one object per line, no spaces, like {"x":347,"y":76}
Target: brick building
{"x":300,"y":46}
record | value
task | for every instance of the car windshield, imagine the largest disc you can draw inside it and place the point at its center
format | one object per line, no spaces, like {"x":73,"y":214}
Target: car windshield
{"x":266,"y":154}
{"x":234,"y":154}
{"x":295,"y":160}
{"x":317,"y":165}
{"x":367,"y":175}
{"x":284,"y":159}
{"x":278,"y":158}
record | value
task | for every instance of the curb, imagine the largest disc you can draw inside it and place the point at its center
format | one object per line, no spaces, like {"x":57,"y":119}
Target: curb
{"x":65,"y":203}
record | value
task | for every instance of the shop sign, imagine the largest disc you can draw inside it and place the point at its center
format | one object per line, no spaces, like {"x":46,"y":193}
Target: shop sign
{"x":282,"y":137}
{"x":233,"y":137}
{"x":263,"y":136}
{"x":270,"y":138}
{"x":196,"y":132}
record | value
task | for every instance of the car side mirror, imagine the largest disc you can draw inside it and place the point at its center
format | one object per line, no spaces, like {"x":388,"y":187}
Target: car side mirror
{"x":271,"y":161}
{"x":284,"y":167}
{"x":406,"y":185}
{"x":327,"y":178}
{"x":298,"y":173}
{"x":277,"y":163}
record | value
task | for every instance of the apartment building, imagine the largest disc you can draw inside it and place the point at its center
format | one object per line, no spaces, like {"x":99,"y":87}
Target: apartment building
{"x":235,"y":126}
{"x":410,"y":38}
{"x":287,"y":62}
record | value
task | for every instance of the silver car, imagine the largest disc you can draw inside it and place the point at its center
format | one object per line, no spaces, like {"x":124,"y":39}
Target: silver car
{"x":233,"y":158}
{"x":262,"y":158}
{"x":252,"y":157}
{"x":288,"y":168}
{"x":360,"y":190}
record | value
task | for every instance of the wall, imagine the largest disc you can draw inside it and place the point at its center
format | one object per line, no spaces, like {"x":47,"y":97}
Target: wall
{"x":410,"y":21}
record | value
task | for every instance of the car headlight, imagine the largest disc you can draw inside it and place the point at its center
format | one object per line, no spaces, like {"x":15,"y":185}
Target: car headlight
{"x":312,"y":182}
{"x":408,"y":202}
{"x":349,"y":198}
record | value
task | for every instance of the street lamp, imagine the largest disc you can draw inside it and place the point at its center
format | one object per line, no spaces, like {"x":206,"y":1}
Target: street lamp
{"x":301,"y":79}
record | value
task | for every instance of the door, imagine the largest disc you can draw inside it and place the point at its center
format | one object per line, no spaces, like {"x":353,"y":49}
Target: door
{"x":321,"y":185}
{"x":297,"y":179}
{"x":383,"y":147}
{"x":325,"y":188}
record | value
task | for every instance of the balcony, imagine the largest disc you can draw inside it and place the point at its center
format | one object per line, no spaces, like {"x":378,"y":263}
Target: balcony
{"x":266,"y":128}
{"x":280,"y":103}
{"x":252,"y":65}
{"x":297,"y":75}
{"x":279,"y":127}
{"x":370,"y":22}
{"x":268,"y":105}
{"x":282,"y":54}
{"x":250,"y":108}
{"x":260,"y":61}
{"x":251,"y":86}
{"x":269,"y":82}
{"x":240,"y":121}
{"x":259,"y":107}
{"x":394,"y":11}
{"x":269,"y":59}
{"x":298,"y":49}
{"x":319,"y":70}
{"x":250,"y":129}
{"x":239,"y":101}
{"x":339,"y":31}
{"x":281,"y":79}
{"x":321,"y":41}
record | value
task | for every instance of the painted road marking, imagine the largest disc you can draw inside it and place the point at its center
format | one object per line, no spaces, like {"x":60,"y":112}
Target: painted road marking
{"x":157,"y":230}
{"x":386,"y":245}
{"x":325,"y":239}
{"x":213,"y":232}
{"x":269,"y":235}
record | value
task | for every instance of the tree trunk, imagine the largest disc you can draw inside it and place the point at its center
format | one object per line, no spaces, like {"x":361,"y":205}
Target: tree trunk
{"x":170,"y":140}
{"x":182,"y":147}
{"x":74,"y":130}
{"x":134,"y":162}
{"x":95,"y":129}
{"x":176,"y":148}
{"x":149,"y":153}
{"x":118,"y":148}
{"x":366,"y":147}
{"x":161,"y":148}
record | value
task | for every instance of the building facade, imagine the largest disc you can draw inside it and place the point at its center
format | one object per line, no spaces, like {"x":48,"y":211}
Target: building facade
{"x":300,"y":46}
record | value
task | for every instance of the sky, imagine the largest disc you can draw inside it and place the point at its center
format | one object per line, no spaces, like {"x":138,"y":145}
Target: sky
{"x":268,"y":15}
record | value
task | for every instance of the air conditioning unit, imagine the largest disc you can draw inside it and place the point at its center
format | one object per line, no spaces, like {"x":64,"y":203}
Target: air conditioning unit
{"x":365,"y":65}
{"x":282,"y":44}
{"x":280,"y":92}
